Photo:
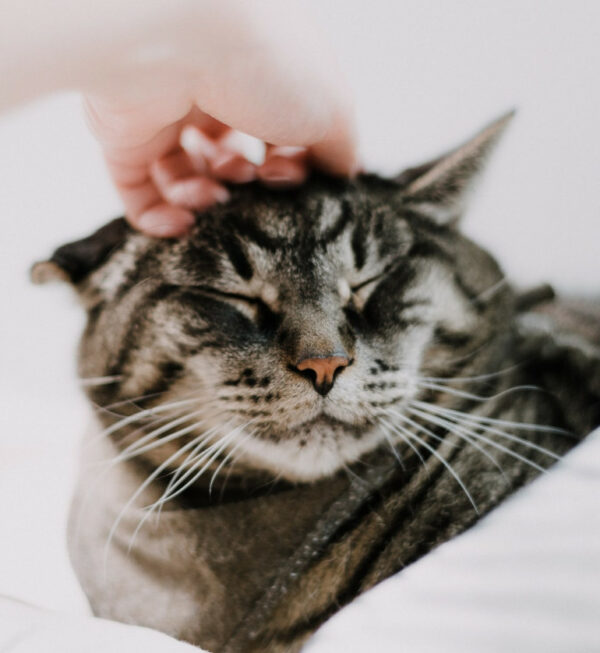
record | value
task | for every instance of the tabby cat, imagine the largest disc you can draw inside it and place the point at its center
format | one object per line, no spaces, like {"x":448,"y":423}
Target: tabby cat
{"x":310,"y":392}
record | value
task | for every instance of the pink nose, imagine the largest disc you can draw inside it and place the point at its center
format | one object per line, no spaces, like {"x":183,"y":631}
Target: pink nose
{"x":323,"y":371}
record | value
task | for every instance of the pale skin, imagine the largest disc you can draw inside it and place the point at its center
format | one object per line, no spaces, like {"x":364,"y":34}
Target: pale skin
{"x":150,"y":69}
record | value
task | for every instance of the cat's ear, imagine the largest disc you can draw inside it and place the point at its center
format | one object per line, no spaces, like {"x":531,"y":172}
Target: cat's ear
{"x":439,"y":189}
{"x":74,"y":261}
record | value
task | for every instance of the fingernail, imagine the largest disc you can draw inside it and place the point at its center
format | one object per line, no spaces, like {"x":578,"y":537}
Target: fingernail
{"x":279,"y":172}
{"x":280,"y":181}
{"x":232,"y":167}
{"x":194,"y":141}
{"x":221,"y":195}
{"x":276,"y":177}
{"x":288,"y":151}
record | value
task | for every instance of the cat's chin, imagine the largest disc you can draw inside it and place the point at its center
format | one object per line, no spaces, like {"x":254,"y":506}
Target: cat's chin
{"x":314,"y":450}
{"x":329,"y":423}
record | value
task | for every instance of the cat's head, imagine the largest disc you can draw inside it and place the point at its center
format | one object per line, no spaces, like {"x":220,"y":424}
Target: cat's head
{"x":292,"y":326}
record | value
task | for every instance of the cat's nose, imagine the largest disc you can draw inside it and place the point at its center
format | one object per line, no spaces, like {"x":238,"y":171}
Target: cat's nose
{"x":323,"y":370}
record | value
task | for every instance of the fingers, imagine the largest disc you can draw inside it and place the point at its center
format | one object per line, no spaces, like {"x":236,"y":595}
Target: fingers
{"x":163,"y":220}
{"x":233,"y":168}
{"x":284,"y":167}
{"x":212,"y":156}
{"x":158,"y":182}
{"x":182,"y":169}
{"x":161,"y":194}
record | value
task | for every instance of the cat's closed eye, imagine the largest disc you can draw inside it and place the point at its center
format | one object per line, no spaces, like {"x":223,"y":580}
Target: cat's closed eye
{"x":229,"y":296}
{"x":249,"y":305}
{"x":361,"y":291}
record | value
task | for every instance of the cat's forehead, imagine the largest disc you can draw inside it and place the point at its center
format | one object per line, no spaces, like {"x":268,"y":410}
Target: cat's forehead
{"x":347,"y":227}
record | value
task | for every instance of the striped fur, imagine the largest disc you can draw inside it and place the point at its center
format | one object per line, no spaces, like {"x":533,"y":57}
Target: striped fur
{"x":280,"y":504}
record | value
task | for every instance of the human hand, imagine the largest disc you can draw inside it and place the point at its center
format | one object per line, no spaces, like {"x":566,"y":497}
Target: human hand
{"x":202,"y":69}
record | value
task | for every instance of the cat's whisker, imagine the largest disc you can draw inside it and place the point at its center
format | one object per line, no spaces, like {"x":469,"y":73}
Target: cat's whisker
{"x":442,"y":380}
{"x":401,"y":433}
{"x":423,"y":429}
{"x":507,"y":450}
{"x":375,"y":419}
{"x":485,"y":424}
{"x":129,"y":453}
{"x":350,"y":473}
{"x":140,"y":446}
{"x":470,"y":354}
{"x":231,"y":467}
{"x":144,"y":485}
{"x":434,"y":452}
{"x":469,"y":395}
{"x":193,"y":464}
{"x":142,"y":429}
{"x":146,"y":415}
{"x":387,"y":436}
{"x":211,"y":454}
{"x":457,"y":429}
{"x":94,"y":381}
{"x":197,"y":469}
{"x":130,"y":401}
{"x":489,"y":292}
{"x":149,"y":412}
{"x":394,"y":450}
{"x":136,"y":448}
{"x":192,"y":457}
{"x":523,"y":426}
{"x":510,"y":452}
{"x":228,"y":457}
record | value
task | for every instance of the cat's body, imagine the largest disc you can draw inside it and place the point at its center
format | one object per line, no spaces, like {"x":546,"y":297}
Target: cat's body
{"x":312,"y":366}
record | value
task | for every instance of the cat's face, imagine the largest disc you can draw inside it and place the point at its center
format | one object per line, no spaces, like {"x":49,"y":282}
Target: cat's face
{"x":293,"y":323}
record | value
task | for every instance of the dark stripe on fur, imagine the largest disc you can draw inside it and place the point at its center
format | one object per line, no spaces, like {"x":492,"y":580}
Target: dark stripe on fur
{"x":354,"y":585}
{"x":249,"y":230}
{"x":454,"y":339}
{"x":335,"y":231}
{"x":234,"y":250}
{"x":359,"y":245}
{"x":168,"y":373}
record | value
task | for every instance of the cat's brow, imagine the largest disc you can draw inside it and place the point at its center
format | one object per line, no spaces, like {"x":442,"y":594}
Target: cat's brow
{"x":359,"y":245}
{"x":235,"y":252}
{"x":334,"y":217}
{"x":250,"y":231}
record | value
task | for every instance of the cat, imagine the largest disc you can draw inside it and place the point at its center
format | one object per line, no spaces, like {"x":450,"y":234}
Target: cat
{"x":311,"y":391}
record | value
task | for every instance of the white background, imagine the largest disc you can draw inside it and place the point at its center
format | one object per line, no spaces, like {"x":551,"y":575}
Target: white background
{"x":425,"y":76}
